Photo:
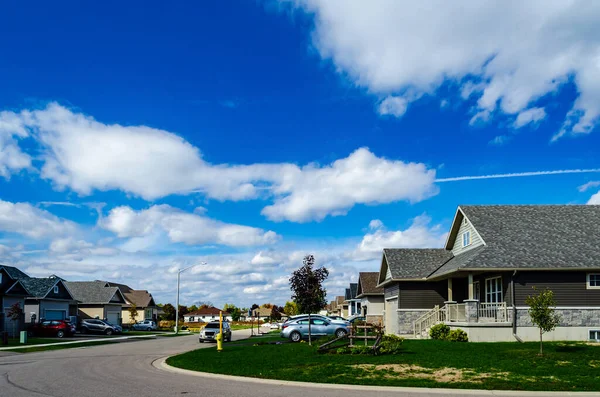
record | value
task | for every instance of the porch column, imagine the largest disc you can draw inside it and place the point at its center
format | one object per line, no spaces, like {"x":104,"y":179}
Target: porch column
{"x":450,"y":290}
{"x":471,"y":293}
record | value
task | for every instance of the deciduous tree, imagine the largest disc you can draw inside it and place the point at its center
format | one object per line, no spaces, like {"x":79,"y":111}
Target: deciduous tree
{"x":542,"y":313}
{"x":133,"y":313}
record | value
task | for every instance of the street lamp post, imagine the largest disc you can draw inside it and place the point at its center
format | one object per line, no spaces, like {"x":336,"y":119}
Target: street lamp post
{"x":177,"y":304}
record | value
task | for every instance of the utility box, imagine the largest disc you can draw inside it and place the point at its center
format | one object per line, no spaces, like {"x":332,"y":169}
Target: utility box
{"x":23,"y":337}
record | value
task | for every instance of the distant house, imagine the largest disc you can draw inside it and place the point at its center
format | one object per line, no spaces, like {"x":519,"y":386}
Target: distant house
{"x":11,"y":291}
{"x":98,"y":300}
{"x":48,"y":299}
{"x":206,"y":315}
{"x":493,"y":257}
{"x":143,"y":301}
{"x":336,"y":306}
{"x":351,"y":302}
{"x":371,"y":297}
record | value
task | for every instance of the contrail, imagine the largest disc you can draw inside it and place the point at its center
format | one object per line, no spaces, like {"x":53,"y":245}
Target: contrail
{"x":515,"y":175}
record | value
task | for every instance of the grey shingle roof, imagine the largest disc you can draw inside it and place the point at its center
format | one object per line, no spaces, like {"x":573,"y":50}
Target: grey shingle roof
{"x":347,"y":294}
{"x":414,"y":263}
{"x":13,"y":272}
{"x":458,"y":262}
{"x":367,"y":284}
{"x":38,"y":287}
{"x":89,"y":292}
{"x":353,"y":290}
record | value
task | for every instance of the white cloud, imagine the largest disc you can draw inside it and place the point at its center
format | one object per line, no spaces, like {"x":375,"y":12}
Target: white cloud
{"x":533,"y":115}
{"x":375,"y":224}
{"x":393,"y":106}
{"x":506,"y":54}
{"x":12,"y":159}
{"x":588,"y":185}
{"x":265,"y":258}
{"x":420,"y":234}
{"x":595,"y":199}
{"x":182,"y":227}
{"x":63,"y":245}
{"x":362,"y":178}
{"x":500,"y":140}
{"x":84,"y":154}
{"x":24,"y":219}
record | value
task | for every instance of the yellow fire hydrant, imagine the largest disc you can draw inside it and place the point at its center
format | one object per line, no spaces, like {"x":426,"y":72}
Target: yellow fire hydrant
{"x":220,"y":341}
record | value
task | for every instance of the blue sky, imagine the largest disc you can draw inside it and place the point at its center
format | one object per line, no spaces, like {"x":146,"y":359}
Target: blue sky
{"x":246,"y":134}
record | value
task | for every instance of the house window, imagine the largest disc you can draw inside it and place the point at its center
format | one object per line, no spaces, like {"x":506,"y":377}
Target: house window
{"x":466,"y":239}
{"x":593,"y":281}
{"x":493,"y":290}
{"x":595,"y":335}
{"x":192,"y":319}
{"x":56,"y":289}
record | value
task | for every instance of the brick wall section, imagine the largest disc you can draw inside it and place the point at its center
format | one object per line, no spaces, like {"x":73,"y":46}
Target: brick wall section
{"x":568,"y":318}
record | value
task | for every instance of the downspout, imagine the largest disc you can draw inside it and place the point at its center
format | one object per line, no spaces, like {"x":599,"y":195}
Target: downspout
{"x":514,"y":307}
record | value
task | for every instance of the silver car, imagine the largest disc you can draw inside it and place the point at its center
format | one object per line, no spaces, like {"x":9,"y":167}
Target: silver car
{"x":297,"y":329}
{"x":339,"y":320}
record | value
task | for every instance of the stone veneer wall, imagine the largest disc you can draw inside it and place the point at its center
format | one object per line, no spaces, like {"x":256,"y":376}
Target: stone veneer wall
{"x":568,"y":317}
{"x":406,"y":320}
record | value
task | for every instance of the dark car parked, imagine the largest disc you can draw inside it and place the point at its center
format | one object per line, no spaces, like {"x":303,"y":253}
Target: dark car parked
{"x":210,"y":331}
{"x":54,"y":328}
{"x":99,"y":327}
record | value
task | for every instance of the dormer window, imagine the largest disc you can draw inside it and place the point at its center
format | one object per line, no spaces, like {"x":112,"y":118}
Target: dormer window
{"x":466,"y":239}
{"x":55,"y":289}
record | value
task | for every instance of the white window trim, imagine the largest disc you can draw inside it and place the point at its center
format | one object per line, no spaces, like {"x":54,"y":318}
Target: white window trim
{"x":55,"y":289}
{"x":468,"y":232}
{"x":587,"y":283}
{"x":486,"y":289}
{"x":594,"y":330}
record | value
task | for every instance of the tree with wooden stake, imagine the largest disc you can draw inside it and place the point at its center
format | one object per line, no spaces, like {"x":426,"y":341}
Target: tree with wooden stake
{"x":308,"y":293}
{"x":133,"y":313}
{"x":542,"y":313}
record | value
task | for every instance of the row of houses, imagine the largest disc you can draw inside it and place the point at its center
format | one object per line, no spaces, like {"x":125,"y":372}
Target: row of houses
{"x":493,"y":259}
{"x":54,"y":298}
{"x":208,"y":314}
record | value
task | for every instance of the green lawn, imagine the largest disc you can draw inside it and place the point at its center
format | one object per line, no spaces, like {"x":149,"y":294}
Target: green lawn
{"x":423,"y":363}
{"x":31,"y":341}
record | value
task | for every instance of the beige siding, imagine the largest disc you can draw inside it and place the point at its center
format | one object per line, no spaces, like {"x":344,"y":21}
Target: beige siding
{"x":91,"y":312}
{"x":374,"y":304}
{"x":458,"y":243}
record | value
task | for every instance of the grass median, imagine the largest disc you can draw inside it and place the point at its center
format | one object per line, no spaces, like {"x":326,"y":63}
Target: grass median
{"x":59,"y":346}
{"x":565,"y":366}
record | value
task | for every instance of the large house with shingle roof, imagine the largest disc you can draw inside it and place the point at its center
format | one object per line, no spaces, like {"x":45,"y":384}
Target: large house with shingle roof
{"x":371,"y":296}
{"x":351,"y":302}
{"x":98,"y":300}
{"x":493,"y":258}
{"x":143,"y":301}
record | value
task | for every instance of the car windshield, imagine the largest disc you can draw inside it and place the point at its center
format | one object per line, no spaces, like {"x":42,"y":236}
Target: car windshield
{"x":213,"y":325}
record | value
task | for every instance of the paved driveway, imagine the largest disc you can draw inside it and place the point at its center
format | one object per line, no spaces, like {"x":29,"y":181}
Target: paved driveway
{"x":126,"y":370}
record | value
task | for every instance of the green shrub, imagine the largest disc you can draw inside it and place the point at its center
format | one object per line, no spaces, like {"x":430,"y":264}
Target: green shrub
{"x":341,"y":350}
{"x":457,"y":335}
{"x":390,"y":344}
{"x":439,"y":332}
{"x":361,"y":350}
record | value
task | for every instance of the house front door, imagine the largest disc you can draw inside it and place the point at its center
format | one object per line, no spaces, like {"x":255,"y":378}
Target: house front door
{"x":391,"y":316}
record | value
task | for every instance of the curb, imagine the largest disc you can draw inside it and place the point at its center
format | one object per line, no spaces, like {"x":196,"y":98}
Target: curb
{"x":161,"y":364}
{"x":78,"y":341}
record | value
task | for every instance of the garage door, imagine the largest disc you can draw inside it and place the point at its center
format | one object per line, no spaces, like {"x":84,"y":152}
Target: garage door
{"x":55,"y":314}
{"x":112,"y":318}
{"x":391,"y":316}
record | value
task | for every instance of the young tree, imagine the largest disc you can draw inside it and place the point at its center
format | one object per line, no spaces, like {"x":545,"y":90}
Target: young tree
{"x":266,"y":305}
{"x":183,"y":310}
{"x":15,"y":313}
{"x":133,"y":313}
{"x":236,"y":313}
{"x":290,"y":308}
{"x":542,"y":313}
{"x":306,"y":284}
{"x":192,"y":308}
{"x":275,"y":313}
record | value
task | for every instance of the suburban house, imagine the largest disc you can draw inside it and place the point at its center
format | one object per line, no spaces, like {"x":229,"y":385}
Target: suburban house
{"x":351,"y":302}
{"x":371,"y":297}
{"x":98,"y":300}
{"x":11,"y":291}
{"x":143,"y":301}
{"x":205,"y":315}
{"x":47,"y":299}
{"x":493,"y":259}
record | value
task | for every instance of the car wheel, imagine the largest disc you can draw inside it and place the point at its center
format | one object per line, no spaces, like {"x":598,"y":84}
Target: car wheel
{"x":148,"y":329}
{"x":340,"y":332}
{"x":200,"y":340}
{"x":60,"y":333}
{"x":295,"y":337}
{"x":108,"y":332}
{"x":229,"y":338}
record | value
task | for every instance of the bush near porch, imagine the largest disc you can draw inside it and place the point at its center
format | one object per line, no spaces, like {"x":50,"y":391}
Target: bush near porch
{"x":565,"y":366}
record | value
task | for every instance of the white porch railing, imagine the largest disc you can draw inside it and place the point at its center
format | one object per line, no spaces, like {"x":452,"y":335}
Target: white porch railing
{"x":456,"y":312}
{"x":422,"y":324}
{"x":492,"y":312}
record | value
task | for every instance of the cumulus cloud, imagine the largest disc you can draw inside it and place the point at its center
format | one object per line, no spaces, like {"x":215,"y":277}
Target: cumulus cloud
{"x":182,"y":227}
{"x":595,"y":199}
{"x":420,"y":234}
{"x":506,"y":55}
{"x":24,"y":219}
{"x":86,"y":155}
{"x":529,"y":116}
{"x":393,"y":105}
{"x":499,"y":140}
{"x":12,"y":158}
{"x":314,"y":192}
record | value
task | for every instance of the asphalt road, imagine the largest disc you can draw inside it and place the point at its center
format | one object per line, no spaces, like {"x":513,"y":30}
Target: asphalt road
{"x":126,"y":369}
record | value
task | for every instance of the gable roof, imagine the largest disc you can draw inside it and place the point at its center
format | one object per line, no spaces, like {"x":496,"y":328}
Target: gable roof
{"x":414,"y":263}
{"x":139,"y":298}
{"x":90,"y":292}
{"x":13,"y":272}
{"x":367,"y":284}
{"x":40,"y":287}
{"x":211,"y":311}
{"x":339,"y":300}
